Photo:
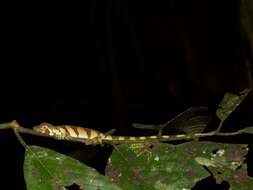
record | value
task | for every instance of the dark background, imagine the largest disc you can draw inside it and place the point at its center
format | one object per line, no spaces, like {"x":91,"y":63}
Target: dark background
{"x":108,"y":64}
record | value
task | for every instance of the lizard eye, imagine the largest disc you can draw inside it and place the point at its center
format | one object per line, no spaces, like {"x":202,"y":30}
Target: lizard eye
{"x":41,"y":129}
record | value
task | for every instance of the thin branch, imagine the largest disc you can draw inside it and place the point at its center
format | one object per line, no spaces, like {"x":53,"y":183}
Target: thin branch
{"x":14,"y":125}
{"x":20,"y":139}
{"x":19,"y":129}
{"x":217,"y":131}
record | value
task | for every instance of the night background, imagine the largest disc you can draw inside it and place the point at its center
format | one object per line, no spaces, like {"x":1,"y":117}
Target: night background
{"x":108,"y":64}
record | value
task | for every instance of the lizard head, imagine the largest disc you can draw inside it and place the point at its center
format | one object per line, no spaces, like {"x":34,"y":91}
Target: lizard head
{"x":51,"y":130}
{"x":43,"y":128}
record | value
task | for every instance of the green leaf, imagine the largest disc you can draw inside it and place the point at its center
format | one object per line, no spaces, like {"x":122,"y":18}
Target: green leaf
{"x":225,"y":162}
{"x":46,"y":169}
{"x":229,"y":103}
{"x":159,"y":166}
{"x":155,"y":166}
{"x":248,"y":130}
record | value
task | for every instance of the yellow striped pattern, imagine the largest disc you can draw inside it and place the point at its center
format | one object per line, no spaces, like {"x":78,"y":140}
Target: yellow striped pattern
{"x":65,"y":132}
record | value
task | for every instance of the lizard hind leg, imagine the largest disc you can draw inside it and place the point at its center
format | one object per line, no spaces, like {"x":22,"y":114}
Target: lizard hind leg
{"x":101,"y":137}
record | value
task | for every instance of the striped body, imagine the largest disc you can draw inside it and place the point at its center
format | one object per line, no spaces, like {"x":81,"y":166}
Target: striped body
{"x":68,"y":132}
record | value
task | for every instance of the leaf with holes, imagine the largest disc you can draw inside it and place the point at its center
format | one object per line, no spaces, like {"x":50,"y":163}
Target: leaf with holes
{"x":159,"y":166}
{"x":153,"y":166}
{"x":224,"y":161}
{"x":48,"y":170}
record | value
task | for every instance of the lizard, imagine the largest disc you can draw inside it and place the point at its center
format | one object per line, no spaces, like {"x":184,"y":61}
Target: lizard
{"x":70,"y":132}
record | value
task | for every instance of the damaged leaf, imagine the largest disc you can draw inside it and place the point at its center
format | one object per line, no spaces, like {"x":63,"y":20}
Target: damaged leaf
{"x":48,"y":170}
{"x":157,"y":166}
{"x":226,"y":162}
{"x":153,"y":166}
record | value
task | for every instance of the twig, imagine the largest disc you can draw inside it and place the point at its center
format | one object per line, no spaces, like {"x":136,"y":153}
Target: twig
{"x":14,"y":125}
{"x":18,"y":129}
{"x":217,"y":131}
